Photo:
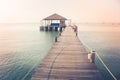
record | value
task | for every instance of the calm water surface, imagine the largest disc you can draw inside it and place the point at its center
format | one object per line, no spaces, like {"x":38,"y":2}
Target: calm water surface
{"x":22,"y":47}
{"x":105,"y":40}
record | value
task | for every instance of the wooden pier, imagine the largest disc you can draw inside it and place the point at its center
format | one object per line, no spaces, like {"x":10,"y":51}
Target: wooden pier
{"x":67,"y":60}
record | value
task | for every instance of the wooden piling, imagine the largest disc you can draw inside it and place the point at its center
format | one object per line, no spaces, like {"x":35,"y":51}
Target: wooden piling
{"x":56,"y":28}
{"x":51,"y":28}
{"x":46,"y":28}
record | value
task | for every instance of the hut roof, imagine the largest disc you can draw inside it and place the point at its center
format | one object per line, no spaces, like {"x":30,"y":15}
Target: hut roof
{"x":55,"y":17}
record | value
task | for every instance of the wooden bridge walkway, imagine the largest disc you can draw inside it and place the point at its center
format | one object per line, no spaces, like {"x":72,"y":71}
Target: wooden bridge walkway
{"x":67,"y":60}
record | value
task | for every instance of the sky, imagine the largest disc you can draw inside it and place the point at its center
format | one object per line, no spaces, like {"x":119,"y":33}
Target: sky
{"x":20,"y":11}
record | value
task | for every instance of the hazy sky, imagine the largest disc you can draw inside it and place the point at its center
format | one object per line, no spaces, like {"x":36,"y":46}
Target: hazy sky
{"x":77,"y":10}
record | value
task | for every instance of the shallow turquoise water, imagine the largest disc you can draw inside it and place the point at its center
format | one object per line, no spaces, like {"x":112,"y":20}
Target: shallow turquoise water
{"x":104,"y":39}
{"x":22,"y":47}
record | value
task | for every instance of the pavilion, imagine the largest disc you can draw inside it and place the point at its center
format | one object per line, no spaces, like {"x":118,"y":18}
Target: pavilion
{"x":53,"y":22}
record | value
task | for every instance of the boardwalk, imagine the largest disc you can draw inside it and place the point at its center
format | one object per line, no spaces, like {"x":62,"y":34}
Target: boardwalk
{"x":67,"y":60}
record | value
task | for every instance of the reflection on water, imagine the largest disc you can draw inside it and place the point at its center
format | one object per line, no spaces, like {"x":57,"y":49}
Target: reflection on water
{"x":22,"y":47}
{"x":105,"y":40}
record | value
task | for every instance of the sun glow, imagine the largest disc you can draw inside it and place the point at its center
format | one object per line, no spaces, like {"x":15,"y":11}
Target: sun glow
{"x":77,"y":10}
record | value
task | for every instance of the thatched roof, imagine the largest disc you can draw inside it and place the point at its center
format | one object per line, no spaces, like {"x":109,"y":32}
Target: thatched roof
{"x":55,"y":17}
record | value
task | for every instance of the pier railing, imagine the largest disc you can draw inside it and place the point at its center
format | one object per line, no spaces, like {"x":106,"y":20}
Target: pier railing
{"x":107,"y":74}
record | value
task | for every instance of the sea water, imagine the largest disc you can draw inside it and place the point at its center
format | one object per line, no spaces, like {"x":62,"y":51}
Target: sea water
{"x":105,"y":40}
{"x":22,"y":47}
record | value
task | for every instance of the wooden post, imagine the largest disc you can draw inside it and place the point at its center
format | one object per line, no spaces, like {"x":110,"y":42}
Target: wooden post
{"x":91,"y":56}
{"x":46,"y":28}
{"x":50,"y":28}
{"x":60,"y":29}
{"x":56,"y":28}
{"x":60,"y":33}
{"x":76,"y":33}
{"x":41,"y":28}
{"x":55,"y":39}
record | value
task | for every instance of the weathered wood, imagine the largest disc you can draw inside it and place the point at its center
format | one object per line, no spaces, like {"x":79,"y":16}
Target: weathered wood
{"x":67,"y":60}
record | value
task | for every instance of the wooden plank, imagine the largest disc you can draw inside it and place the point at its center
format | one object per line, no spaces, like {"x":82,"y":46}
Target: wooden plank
{"x":67,"y":60}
